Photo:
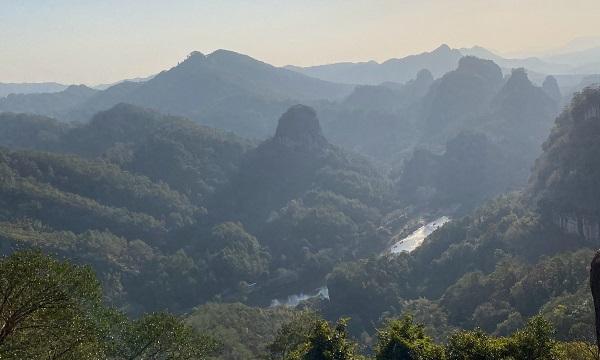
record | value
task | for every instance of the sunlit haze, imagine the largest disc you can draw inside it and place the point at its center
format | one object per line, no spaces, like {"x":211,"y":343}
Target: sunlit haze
{"x":94,"y":42}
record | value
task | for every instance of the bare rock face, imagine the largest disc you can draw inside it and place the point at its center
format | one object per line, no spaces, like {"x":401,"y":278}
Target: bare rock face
{"x":551,"y":88}
{"x":595,"y":287}
{"x":300,"y":126}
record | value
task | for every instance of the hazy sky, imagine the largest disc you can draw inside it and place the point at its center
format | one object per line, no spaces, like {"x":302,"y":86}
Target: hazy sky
{"x":100,"y":41}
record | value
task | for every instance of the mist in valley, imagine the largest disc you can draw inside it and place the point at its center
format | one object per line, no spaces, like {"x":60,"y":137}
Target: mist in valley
{"x":276,"y":186}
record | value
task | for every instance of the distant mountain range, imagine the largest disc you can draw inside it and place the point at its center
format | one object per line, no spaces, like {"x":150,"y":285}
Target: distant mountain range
{"x":237,"y":93}
{"x":30,"y":88}
{"x":574,"y":60}
{"x":55,"y":104}
{"x":223,"y":89}
{"x":438,"y":61}
{"x":444,"y":59}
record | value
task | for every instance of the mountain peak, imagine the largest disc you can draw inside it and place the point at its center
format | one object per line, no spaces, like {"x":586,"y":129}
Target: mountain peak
{"x":194,"y":58}
{"x":300,"y":125}
{"x":550,"y":86}
{"x":196,"y":54}
{"x":231,"y":57}
{"x":225,"y":52}
{"x":484,"y":68}
{"x":424,"y":75}
{"x":443,"y":48}
{"x":74,"y":89}
{"x":518,"y":78}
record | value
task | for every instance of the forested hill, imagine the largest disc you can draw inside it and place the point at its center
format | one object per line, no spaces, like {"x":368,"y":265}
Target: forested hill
{"x":565,"y":180}
{"x":298,"y":158}
{"x":516,"y":256}
{"x":492,"y":130}
{"x":191,"y":158}
{"x":124,"y":193}
{"x":223,"y":89}
{"x":160,"y":205}
{"x":56,"y":104}
{"x":172,"y":215}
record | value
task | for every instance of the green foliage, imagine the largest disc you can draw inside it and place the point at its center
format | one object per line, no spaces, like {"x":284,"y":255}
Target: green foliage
{"x":492,"y":270}
{"x":326,"y":343}
{"x":403,"y":339}
{"x":238,"y":255}
{"x":471,"y":170}
{"x":158,"y":336}
{"x":246,"y":332}
{"x":579,"y":350}
{"x":104,"y":182}
{"x":565,"y":177}
{"x":26,"y":131}
{"x":292,"y":334}
{"x":53,"y":309}
{"x":535,"y":341}
{"x":474,"y":345}
{"x":172,"y":215}
{"x":47,"y":308}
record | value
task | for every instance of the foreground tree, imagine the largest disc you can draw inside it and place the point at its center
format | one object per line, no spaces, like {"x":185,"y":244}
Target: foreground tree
{"x":403,"y":339}
{"x":475,"y":345}
{"x":292,"y":334}
{"x":50,"y":309}
{"x":595,"y":287}
{"x":327,"y":343}
{"x":534,"y":342}
{"x":47,"y":309}
{"x":159,"y":336}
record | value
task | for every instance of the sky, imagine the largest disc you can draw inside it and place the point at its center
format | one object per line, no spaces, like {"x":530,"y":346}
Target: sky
{"x":95,"y":42}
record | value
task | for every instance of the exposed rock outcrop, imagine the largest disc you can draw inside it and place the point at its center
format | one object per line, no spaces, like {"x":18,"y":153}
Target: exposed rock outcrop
{"x":585,"y":227}
{"x":300,"y":126}
{"x":551,"y":88}
{"x":564,"y":183}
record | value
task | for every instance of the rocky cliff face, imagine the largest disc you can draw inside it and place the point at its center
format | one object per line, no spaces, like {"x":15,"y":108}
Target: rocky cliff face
{"x":550,"y":87}
{"x":585,"y":227}
{"x":565,"y":182}
{"x":299,"y":126}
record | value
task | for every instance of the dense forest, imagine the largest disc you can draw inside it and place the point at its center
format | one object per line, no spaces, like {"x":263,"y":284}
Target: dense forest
{"x":126,"y":233}
{"x":52,"y":308}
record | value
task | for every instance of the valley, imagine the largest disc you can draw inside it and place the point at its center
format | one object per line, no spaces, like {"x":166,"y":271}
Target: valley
{"x":437,"y":205}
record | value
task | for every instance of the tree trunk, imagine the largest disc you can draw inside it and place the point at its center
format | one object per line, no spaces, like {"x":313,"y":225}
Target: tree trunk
{"x":595,"y":287}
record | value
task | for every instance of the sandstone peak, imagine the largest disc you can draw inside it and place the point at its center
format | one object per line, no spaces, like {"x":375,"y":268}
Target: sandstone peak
{"x":300,"y":125}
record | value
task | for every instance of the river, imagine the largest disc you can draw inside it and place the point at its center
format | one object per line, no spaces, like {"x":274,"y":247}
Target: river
{"x":407,"y":244}
{"x":416,"y":238}
{"x":296,"y":299}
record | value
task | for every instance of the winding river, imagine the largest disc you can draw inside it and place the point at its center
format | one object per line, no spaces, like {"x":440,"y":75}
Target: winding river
{"x":416,"y":238}
{"x":295,"y":300}
{"x":406,"y":244}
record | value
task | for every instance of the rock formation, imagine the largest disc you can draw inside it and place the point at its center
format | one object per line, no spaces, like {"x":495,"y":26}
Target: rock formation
{"x":551,"y":88}
{"x":299,"y":126}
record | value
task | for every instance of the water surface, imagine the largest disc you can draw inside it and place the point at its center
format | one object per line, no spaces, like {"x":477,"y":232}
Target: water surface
{"x":415,"y":239}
